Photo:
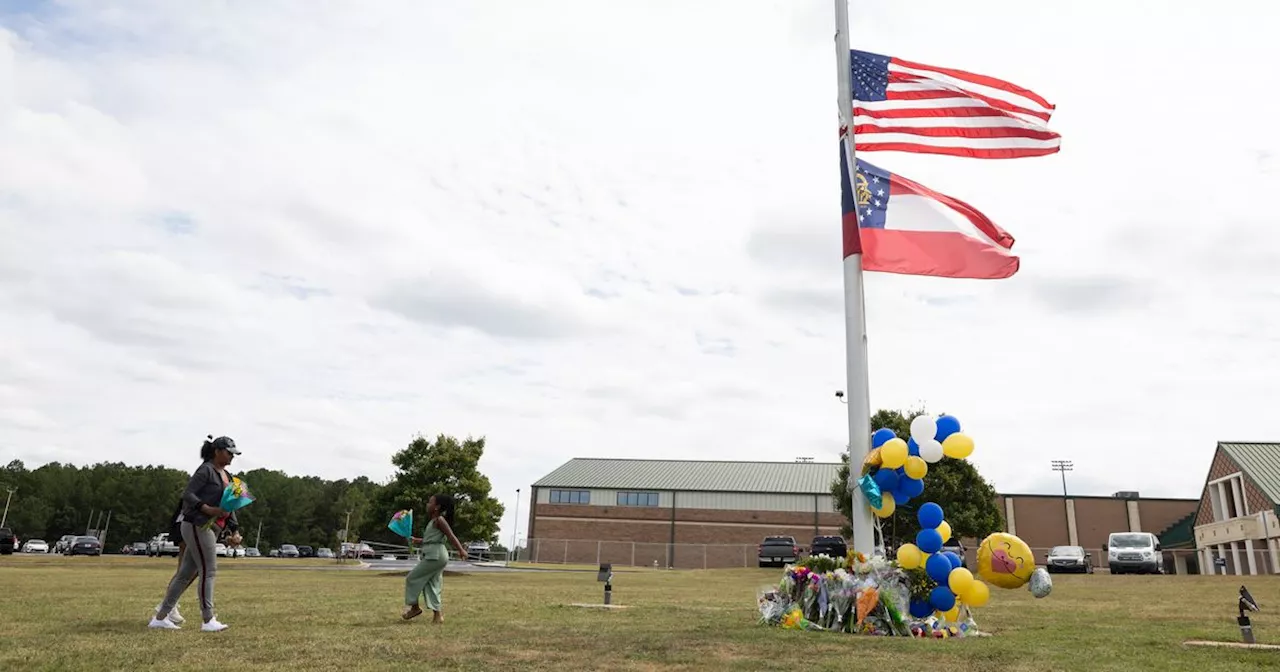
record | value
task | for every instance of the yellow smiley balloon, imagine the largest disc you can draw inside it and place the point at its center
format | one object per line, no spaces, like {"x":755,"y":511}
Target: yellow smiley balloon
{"x":1005,"y":560}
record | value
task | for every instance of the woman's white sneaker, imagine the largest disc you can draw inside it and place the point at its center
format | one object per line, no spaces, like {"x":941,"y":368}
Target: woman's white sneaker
{"x":163,"y":624}
{"x":213,"y":626}
{"x":174,"y":616}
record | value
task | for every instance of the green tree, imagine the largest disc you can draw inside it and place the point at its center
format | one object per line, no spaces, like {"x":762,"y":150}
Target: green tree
{"x":967,"y":500}
{"x":448,"y":466}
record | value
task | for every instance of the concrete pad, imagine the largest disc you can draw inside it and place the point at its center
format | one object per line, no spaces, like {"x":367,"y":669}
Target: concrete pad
{"x":1234,"y":645}
{"x":598,"y":606}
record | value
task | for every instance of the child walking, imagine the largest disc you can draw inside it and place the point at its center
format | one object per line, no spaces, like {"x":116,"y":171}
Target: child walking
{"x":427,"y":579}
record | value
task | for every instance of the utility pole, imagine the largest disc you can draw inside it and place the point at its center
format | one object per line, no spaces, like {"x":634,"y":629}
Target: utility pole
{"x":257,"y":542}
{"x":88,"y":524}
{"x":1063,"y":466}
{"x":515,"y":531}
{"x":102,"y":536}
{"x":5,"y":517}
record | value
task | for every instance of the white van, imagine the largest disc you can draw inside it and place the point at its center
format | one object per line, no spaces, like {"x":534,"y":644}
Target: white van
{"x":1137,"y":552}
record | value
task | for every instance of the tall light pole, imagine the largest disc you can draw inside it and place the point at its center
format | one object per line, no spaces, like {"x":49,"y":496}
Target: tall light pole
{"x":1063,"y":466}
{"x":515,"y":528}
{"x":5,"y":517}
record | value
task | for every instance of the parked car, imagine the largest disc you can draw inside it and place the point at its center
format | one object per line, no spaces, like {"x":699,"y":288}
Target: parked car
{"x":478,"y":551}
{"x":1068,"y":559}
{"x":8,"y":541}
{"x":831,"y":546}
{"x":63,"y":543}
{"x":220,"y":550}
{"x":162,"y":545}
{"x":778,"y":551}
{"x":1137,"y":552}
{"x":35,"y":546}
{"x":275,"y":553}
{"x":252,"y":553}
{"x":958,"y":549}
{"x":305,"y":551}
{"x":137,"y":548}
{"x":324,"y":553}
{"x":85,"y":546}
{"x":288,"y":551}
{"x":356,"y":550}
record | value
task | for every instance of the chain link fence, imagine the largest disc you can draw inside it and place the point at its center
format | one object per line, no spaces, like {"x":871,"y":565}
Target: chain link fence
{"x":640,"y":554}
{"x":729,"y":556}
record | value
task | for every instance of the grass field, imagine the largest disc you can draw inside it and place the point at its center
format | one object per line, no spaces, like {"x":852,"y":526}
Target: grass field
{"x":90,"y":614}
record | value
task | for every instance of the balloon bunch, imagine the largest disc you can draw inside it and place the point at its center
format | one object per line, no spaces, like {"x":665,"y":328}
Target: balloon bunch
{"x":893,"y":472}
{"x":955,"y":583}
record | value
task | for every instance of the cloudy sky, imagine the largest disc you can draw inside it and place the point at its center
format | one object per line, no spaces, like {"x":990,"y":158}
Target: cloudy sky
{"x":612,"y":229}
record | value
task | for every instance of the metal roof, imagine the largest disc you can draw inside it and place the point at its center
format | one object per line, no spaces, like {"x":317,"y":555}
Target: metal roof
{"x":809,"y":478}
{"x":1260,"y":462}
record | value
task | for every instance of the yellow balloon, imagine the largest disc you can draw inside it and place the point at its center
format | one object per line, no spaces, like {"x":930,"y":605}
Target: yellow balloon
{"x":960,"y":580}
{"x":915,"y":467}
{"x":958,"y":446}
{"x":977,"y":595}
{"x":1005,"y":560}
{"x":952,"y":616}
{"x":909,"y":556}
{"x":887,"y":505}
{"x":944,"y":528}
{"x":893,"y":453}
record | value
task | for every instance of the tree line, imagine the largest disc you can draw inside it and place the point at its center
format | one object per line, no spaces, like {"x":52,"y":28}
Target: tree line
{"x":57,"y":499}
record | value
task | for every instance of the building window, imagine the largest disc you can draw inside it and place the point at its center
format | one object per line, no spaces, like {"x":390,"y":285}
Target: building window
{"x":637,"y":499}
{"x":570,"y":496}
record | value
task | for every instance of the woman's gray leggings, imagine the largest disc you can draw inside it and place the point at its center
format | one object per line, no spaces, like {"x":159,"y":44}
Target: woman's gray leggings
{"x":200,"y":562}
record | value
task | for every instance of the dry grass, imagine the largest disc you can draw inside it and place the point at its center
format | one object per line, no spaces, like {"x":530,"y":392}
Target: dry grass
{"x":90,"y":614}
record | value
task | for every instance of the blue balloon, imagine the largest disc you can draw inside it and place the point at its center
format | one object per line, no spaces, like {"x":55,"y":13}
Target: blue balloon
{"x":887,"y":479}
{"x":929,"y":541}
{"x":913,"y":448}
{"x":930,"y":515}
{"x":954,"y":558}
{"x":942,"y":598}
{"x":911,"y":487}
{"x":938,"y":567}
{"x":901,"y":496}
{"x":947,"y":425}
{"x":881,"y":435}
{"x":920,"y":608}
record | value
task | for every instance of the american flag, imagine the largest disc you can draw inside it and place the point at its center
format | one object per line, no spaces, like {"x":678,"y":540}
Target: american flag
{"x":905,"y":106}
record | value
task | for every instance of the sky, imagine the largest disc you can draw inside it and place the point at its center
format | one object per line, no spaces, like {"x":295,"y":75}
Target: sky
{"x":585,"y":229}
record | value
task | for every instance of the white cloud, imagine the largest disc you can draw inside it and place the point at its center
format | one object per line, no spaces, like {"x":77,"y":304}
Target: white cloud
{"x":593,"y":229}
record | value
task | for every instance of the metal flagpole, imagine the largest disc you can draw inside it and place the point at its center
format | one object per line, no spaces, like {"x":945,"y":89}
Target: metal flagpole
{"x":858,"y":381}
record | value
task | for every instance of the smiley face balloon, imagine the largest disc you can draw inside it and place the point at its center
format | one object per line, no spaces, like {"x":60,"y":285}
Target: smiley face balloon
{"x":1005,"y":560}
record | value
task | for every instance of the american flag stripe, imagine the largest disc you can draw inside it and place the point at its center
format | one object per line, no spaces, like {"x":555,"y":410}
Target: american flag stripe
{"x":963,"y":79}
{"x":908,"y":106}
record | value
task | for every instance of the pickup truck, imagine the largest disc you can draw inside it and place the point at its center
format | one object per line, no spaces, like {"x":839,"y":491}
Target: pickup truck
{"x":160,"y":545}
{"x":778,"y":551}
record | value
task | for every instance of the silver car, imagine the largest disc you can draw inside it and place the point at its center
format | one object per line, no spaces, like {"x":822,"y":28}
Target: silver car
{"x":1068,"y":559}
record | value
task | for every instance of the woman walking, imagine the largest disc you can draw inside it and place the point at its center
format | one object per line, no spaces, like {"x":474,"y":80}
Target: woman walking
{"x":198,"y":559}
{"x":427,"y":579}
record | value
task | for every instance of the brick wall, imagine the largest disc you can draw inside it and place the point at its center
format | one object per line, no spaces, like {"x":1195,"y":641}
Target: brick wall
{"x":1041,"y":520}
{"x":1222,"y":466}
{"x":1098,"y":518}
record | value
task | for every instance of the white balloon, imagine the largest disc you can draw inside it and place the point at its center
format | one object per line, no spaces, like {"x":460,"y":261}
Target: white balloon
{"x":924,"y":428}
{"x":930,"y":451}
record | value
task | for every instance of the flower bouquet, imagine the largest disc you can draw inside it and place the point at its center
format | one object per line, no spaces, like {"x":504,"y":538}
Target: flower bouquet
{"x":402,"y":523}
{"x":235,"y":496}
